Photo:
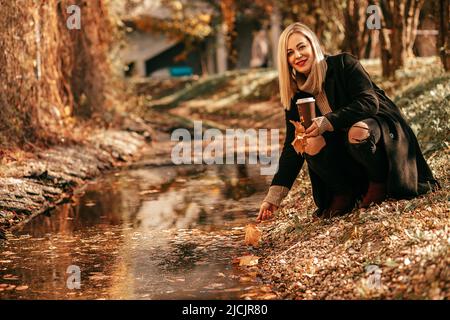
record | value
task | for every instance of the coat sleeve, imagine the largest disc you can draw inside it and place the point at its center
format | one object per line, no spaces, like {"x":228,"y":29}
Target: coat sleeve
{"x":290,"y":162}
{"x":360,"y":90}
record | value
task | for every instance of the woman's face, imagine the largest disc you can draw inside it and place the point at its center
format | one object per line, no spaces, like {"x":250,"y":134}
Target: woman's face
{"x":300,"y":53}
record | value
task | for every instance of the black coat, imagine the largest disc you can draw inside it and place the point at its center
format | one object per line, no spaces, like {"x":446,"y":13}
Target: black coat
{"x":354,"y":97}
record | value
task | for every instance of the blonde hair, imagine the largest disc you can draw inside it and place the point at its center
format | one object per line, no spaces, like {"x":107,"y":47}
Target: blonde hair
{"x":288,"y":85}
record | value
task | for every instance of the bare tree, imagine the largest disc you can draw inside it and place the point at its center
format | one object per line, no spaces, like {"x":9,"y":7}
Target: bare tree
{"x":400,"y":21}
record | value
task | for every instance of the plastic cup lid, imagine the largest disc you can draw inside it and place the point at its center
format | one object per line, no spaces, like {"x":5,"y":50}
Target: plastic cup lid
{"x":305,"y":100}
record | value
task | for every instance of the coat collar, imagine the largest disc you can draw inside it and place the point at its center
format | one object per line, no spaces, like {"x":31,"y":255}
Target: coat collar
{"x":328,"y":84}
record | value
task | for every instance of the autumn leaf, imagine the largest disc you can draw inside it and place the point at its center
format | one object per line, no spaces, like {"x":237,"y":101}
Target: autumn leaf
{"x":248,"y":261}
{"x":21,"y":288}
{"x":252,"y":235}
{"x":300,"y":140}
{"x":299,"y":144}
{"x":299,"y":128}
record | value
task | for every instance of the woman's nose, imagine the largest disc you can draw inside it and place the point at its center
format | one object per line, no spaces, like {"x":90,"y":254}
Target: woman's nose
{"x":297,"y":54}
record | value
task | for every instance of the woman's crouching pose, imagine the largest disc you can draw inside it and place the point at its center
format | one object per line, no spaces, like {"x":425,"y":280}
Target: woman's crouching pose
{"x":359,"y":149}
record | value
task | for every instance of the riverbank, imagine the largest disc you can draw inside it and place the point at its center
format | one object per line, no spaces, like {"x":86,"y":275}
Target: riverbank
{"x":48,"y":177}
{"x":395,"y":250}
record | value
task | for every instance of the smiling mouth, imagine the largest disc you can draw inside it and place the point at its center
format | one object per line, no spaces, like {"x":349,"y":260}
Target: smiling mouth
{"x":301,"y":63}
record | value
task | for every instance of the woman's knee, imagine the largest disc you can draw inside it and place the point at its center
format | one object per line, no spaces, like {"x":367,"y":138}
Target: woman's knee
{"x":359,"y":132}
{"x":314,"y":145}
{"x":362,"y":130}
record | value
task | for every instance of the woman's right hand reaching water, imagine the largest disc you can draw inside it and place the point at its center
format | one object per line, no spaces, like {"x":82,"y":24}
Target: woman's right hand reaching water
{"x":266,"y":211}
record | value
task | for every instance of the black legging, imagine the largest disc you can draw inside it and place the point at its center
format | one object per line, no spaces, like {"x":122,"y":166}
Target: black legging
{"x":340,"y":163}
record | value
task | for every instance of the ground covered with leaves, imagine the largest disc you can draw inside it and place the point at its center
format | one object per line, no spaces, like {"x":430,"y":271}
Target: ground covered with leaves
{"x":396,"y":250}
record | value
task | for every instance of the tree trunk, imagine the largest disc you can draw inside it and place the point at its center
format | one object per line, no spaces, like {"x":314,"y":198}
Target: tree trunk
{"x":221,"y":53}
{"x":356,"y":33}
{"x":401,"y":17}
{"x":413,"y":8}
{"x":386,"y":56}
{"x":49,"y":72}
{"x":385,"y":38}
{"x":275,"y":32}
{"x":398,"y":39}
{"x":443,"y":17}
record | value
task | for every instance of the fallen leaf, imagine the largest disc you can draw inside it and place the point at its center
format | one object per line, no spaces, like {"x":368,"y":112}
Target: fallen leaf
{"x":252,"y":235}
{"x":21,"y":288}
{"x":265,"y":289}
{"x":268,"y":296}
{"x":248,"y":261}
{"x":245,"y":279}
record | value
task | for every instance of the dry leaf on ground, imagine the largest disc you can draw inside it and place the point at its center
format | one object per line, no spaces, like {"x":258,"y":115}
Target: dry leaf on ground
{"x":252,"y":235}
{"x":248,"y":261}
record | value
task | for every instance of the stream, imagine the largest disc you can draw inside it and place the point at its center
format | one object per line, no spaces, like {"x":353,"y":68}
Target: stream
{"x":147,"y":232}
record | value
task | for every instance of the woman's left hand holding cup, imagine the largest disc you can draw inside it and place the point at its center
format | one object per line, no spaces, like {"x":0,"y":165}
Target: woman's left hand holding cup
{"x":312,"y":131}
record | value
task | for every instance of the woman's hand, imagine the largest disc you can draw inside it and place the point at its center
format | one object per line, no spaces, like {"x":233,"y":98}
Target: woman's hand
{"x":266,"y":211}
{"x":312,"y":131}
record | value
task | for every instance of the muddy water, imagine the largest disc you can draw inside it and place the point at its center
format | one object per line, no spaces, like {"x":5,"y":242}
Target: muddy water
{"x":148,"y":233}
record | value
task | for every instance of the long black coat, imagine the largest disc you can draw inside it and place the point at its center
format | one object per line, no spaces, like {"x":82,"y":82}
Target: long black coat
{"x":353,"y":97}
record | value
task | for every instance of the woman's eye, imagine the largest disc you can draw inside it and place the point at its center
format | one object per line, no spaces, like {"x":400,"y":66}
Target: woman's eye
{"x":289,"y":53}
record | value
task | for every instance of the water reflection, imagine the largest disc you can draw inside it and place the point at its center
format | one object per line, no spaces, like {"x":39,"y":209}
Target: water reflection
{"x":155,"y":233}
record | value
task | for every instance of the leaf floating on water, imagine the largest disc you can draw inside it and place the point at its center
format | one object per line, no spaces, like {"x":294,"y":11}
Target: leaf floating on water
{"x":252,"y":235}
{"x":213,"y":286}
{"x":248,"y":261}
{"x":21,"y":288}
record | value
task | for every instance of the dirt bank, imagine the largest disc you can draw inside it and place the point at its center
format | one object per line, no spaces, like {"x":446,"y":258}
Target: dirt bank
{"x":37,"y":184}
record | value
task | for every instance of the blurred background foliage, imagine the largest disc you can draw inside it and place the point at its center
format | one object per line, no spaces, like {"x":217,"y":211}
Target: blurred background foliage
{"x":58,"y":83}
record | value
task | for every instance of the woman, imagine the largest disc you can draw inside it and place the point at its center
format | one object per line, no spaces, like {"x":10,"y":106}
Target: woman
{"x":359,"y":148}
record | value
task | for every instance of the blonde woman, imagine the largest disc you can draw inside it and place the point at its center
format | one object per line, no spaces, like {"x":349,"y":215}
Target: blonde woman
{"x":359,"y":151}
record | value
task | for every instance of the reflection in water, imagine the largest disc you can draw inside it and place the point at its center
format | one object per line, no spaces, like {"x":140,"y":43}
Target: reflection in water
{"x":160,"y":233}
{"x":239,"y":184}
